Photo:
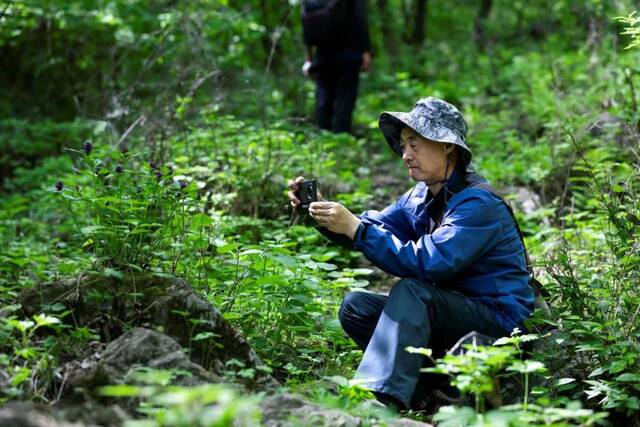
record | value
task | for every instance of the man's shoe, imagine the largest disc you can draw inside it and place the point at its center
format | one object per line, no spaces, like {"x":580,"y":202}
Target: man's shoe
{"x":425,"y":403}
{"x":389,"y":402}
{"x":449,"y":395}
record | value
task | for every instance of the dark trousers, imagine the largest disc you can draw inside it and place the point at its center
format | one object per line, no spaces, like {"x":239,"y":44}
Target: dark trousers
{"x":336,"y":92}
{"x":414,"y":314}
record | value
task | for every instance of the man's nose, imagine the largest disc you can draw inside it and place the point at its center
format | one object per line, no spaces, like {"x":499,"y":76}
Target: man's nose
{"x":406,"y":155}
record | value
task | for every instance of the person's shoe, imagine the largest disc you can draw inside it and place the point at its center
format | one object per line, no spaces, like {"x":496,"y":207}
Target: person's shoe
{"x":450,"y":396}
{"x":388,"y":402}
{"x":424,"y":403}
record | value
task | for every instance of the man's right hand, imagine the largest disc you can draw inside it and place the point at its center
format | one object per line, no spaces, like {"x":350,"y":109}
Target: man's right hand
{"x":294,"y":186}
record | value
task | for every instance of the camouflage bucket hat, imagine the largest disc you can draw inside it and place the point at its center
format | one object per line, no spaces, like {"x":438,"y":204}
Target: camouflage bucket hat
{"x":432,"y":118}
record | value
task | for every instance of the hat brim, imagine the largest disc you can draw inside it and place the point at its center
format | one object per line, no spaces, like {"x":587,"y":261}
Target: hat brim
{"x":391,"y":123}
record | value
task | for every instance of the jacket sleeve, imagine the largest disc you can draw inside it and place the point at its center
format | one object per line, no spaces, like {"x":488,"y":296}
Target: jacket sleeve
{"x":392,"y":219}
{"x":470,"y":228}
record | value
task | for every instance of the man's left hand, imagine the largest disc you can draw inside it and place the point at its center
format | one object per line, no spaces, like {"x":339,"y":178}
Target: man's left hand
{"x":366,"y":61}
{"x":335,"y":217}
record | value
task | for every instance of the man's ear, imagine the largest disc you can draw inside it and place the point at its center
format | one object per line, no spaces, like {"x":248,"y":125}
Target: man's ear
{"x":448,"y":148}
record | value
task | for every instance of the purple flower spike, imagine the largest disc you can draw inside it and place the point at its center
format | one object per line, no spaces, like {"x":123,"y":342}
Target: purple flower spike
{"x":158,"y":175}
{"x":59,"y":186}
{"x":119,"y":169}
{"x":153,"y":165}
{"x":87,"y":147}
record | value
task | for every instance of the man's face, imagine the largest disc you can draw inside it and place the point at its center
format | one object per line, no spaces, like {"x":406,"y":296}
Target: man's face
{"x":426,"y":160}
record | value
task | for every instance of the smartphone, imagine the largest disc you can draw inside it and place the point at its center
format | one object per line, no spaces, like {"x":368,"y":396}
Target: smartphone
{"x":307,"y":193}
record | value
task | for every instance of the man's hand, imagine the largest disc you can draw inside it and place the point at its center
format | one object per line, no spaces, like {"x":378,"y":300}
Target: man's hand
{"x":335,"y":217}
{"x":366,"y":61}
{"x":294,"y":185}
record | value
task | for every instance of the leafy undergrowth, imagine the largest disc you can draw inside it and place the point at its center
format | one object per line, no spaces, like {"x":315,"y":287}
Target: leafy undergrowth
{"x":203,"y":197}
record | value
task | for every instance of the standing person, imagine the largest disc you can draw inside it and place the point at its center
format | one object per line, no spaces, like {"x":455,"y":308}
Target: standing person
{"x":336,"y":34}
{"x":452,"y":241}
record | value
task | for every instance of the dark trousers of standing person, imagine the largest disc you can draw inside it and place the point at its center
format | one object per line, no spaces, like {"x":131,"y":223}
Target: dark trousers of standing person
{"x":336,"y":93}
{"x":414,"y":314}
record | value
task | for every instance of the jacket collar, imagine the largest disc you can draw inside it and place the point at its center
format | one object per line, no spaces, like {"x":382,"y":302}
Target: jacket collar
{"x":435,"y":205}
{"x":454,"y":184}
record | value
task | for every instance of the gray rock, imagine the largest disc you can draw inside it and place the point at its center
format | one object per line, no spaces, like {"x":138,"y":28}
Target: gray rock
{"x":19,"y":414}
{"x":136,"y":349}
{"x":287,"y":410}
{"x":612,"y":127}
{"x":526,"y":200}
{"x":406,"y":422}
{"x":605,"y":122}
{"x":168,"y":304}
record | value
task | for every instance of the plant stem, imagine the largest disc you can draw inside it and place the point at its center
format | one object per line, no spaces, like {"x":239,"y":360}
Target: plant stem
{"x":526,"y":390}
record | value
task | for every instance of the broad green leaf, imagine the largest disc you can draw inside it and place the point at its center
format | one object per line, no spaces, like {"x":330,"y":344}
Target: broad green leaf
{"x":629,"y":377}
{"x":121,"y":390}
{"x":45,"y":320}
{"x":227,"y":248}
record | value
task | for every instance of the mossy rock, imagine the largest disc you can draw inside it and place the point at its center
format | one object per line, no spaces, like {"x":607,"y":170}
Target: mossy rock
{"x":166,"y":304}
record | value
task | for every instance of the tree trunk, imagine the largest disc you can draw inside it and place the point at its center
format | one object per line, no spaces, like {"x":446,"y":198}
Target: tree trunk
{"x":478,"y":27}
{"x":419,"y":20}
{"x":388,"y":33}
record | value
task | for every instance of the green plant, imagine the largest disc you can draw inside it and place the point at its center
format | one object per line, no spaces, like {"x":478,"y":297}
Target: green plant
{"x":477,"y":370}
{"x":163,"y":405}
{"x":285,"y":301}
{"x":128,"y":215}
{"x":632,"y":29}
{"x":594,"y":269}
{"x":29,"y":360}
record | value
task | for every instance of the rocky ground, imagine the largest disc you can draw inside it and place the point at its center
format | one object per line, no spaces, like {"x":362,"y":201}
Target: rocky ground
{"x":152,"y":328}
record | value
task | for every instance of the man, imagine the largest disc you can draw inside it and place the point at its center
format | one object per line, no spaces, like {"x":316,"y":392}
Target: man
{"x":335,"y":57}
{"x":453,"y":242}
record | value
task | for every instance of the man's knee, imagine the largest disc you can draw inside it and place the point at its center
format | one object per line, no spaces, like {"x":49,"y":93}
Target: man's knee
{"x":349,"y":308}
{"x":413,"y":286}
{"x":414,"y":290}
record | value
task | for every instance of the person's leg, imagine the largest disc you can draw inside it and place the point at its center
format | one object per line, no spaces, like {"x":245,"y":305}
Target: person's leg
{"x":346,"y":94}
{"x":414,"y":312}
{"x":359,"y":314}
{"x":326,"y":86}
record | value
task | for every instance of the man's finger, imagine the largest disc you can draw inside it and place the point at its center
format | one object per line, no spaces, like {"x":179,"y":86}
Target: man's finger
{"x":292,"y":197}
{"x":321,"y":220}
{"x":321,"y":205}
{"x":320,"y":211}
{"x":321,"y":215}
{"x":295,"y":183}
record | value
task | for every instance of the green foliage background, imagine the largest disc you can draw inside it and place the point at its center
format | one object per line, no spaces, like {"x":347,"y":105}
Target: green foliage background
{"x":211,"y":91}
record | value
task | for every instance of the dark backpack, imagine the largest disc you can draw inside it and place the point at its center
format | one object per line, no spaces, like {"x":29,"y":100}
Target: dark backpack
{"x":324,"y":22}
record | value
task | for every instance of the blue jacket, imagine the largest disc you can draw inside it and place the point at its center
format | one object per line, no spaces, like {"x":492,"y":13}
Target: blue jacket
{"x":475,"y":250}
